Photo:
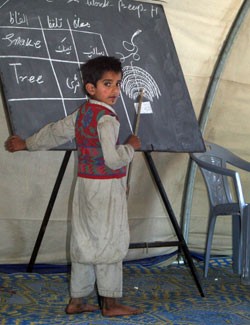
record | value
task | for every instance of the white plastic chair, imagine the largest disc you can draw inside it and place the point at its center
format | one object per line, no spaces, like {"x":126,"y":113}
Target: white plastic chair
{"x":225,"y":196}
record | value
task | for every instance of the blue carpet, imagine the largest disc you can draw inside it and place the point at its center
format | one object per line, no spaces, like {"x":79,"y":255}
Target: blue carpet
{"x":167,"y":294}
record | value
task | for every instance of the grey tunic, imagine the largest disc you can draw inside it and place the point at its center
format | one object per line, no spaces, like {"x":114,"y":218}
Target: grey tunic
{"x":100,"y":232}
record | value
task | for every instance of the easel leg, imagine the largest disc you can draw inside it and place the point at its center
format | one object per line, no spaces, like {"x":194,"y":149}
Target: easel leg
{"x":49,"y":210}
{"x":175,"y":224}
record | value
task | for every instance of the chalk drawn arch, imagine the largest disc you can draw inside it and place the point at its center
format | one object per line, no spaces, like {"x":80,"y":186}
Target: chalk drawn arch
{"x":135,"y":79}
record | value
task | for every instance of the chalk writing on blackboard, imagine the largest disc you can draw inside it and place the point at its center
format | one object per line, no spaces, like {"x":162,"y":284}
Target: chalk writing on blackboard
{"x":135,"y":78}
{"x":131,"y":49}
{"x":43,"y":44}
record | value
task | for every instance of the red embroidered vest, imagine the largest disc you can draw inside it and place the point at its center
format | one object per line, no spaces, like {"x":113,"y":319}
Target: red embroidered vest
{"x":90,"y":156}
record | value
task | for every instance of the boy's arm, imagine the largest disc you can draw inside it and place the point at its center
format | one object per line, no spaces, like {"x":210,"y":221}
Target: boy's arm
{"x":50,"y":136}
{"x":115,"y":156}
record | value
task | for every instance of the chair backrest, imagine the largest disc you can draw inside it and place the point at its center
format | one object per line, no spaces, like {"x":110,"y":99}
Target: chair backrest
{"x":218,"y":186}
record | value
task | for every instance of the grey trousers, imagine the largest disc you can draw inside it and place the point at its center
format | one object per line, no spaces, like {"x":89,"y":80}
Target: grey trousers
{"x":108,"y":278}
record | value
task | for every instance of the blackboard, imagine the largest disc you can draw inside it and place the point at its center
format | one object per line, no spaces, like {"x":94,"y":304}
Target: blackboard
{"x":44,"y":42}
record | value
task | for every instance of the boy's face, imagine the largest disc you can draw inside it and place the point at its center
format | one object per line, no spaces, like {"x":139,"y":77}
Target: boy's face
{"x":107,"y":89}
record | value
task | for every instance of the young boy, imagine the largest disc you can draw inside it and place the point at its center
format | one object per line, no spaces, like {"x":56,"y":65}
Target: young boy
{"x":100,"y":232}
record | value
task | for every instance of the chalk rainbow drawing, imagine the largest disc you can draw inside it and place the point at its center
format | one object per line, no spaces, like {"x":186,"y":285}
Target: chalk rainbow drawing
{"x":135,"y":79}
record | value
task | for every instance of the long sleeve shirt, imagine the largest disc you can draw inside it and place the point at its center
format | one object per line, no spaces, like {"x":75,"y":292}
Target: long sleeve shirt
{"x":57,"y":133}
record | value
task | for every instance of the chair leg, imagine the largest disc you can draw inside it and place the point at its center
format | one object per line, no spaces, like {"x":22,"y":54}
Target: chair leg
{"x":210,"y":233}
{"x":245,"y":271}
{"x":236,"y":244}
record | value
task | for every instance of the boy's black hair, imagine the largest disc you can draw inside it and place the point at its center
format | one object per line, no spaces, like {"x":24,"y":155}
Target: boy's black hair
{"x":93,"y":70}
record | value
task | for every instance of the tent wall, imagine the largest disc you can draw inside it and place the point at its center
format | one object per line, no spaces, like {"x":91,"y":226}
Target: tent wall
{"x":198,"y":28}
{"x":228,"y":125}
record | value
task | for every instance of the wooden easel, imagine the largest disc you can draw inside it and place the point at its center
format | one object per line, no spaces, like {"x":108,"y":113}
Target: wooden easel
{"x":180,"y":243}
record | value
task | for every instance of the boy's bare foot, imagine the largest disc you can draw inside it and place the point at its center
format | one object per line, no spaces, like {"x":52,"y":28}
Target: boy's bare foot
{"x":112,"y":308}
{"x":76,"y":306}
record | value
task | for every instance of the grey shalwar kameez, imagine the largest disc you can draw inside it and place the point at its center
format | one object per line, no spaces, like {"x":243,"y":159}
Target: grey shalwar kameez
{"x":100,"y":232}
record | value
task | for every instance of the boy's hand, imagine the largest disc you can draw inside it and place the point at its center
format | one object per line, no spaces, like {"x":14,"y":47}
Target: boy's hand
{"x":15,"y":143}
{"x":134,"y":141}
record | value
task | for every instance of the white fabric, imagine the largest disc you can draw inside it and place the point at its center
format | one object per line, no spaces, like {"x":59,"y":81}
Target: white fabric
{"x":108,"y":277}
{"x":100,"y":231}
{"x":199,"y":29}
{"x":53,"y":134}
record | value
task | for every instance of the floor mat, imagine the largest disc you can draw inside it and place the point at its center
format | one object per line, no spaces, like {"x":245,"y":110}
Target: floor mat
{"x":167,"y":294}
